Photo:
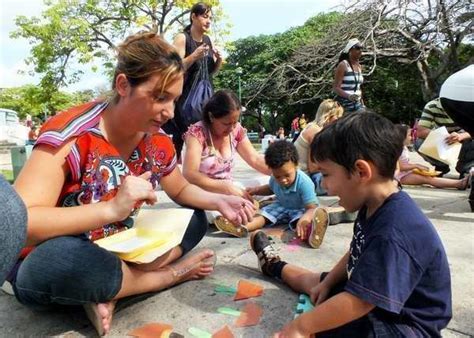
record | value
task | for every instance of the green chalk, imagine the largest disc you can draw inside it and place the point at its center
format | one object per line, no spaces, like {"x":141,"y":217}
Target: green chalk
{"x":228,"y":311}
{"x":198,"y":333}
{"x":225,"y":289}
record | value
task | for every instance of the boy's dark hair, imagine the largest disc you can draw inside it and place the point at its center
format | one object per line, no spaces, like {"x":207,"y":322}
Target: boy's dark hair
{"x":280,"y":152}
{"x":366,"y":136}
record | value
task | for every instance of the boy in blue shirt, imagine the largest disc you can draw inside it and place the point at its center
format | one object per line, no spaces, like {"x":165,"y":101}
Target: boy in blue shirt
{"x":394,"y":281}
{"x":296,"y":199}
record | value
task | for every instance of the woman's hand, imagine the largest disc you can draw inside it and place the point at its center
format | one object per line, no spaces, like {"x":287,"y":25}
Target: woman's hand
{"x":252,"y":190}
{"x":201,"y":51}
{"x":217,"y":54}
{"x":354,"y":97}
{"x":132,"y":192}
{"x":232,"y":189}
{"x":319,"y":293}
{"x":236,"y":209}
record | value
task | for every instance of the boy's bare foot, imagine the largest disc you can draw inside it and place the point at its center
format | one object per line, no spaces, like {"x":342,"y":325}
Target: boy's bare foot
{"x":100,"y":316}
{"x":193,"y":266}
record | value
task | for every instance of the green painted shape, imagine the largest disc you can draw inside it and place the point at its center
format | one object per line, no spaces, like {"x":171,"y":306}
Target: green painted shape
{"x":225,"y":289}
{"x":198,"y":333}
{"x":229,"y":311}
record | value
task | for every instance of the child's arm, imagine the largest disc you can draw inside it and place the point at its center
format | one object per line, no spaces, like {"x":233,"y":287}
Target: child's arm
{"x":335,"y":312}
{"x":338,"y":274}
{"x":262,"y":190}
{"x":302,"y":230}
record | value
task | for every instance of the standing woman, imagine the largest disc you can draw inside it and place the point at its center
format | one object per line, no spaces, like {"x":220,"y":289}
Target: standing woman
{"x":197,"y":51}
{"x":91,"y":168}
{"x":348,"y":78}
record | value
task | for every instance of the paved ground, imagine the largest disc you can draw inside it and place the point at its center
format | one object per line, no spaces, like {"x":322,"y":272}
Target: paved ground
{"x":194,"y":304}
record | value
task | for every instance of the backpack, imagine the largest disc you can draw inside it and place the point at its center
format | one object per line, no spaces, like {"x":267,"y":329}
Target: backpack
{"x":200,"y":92}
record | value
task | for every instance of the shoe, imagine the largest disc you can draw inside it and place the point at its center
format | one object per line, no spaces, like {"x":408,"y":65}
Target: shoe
{"x":340,"y":215}
{"x":443,"y":171}
{"x":318,"y":227}
{"x":267,"y":255}
{"x":225,"y":226}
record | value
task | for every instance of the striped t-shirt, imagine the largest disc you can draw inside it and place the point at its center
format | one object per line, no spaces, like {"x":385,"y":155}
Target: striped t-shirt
{"x":351,"y":84}
{"x":434,"y":116}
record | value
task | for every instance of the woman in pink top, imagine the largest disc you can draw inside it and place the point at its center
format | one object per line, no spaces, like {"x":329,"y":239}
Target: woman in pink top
{"x":213,"y":143}
{"x":405,"y":174}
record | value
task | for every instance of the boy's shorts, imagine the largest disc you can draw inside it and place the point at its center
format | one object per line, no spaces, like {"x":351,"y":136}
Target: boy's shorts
{"x":278,"y":214}
{"x":372,"y":325}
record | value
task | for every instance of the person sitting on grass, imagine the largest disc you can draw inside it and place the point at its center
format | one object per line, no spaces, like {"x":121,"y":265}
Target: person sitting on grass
{"x":394,"y":279}
{"x":296,"y":200}
{"x":406,"y":174}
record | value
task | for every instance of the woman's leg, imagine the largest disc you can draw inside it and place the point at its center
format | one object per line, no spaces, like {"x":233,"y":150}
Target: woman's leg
{"x":195,"y":231}
{"x":437,"y":182}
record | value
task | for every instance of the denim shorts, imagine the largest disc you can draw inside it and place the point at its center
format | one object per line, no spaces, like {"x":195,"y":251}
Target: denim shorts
{"x":278,"y":214}
{"x":68,"y":270}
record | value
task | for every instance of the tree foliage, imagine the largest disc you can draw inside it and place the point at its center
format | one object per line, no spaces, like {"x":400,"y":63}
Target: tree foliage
{"x":426,"y":34}
{"x":28,"y":99}
{"x":73,"y":33}
{"x":410,"y":48}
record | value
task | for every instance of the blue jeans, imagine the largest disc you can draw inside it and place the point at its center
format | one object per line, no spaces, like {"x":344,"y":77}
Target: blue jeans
{"x":71,"y":270}
{"x":317,"y":179}
{"x":12,"y":227}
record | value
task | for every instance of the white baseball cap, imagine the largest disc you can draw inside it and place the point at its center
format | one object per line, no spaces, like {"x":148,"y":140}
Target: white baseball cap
{"x":459,"y":86}
{"x":351,"y":43}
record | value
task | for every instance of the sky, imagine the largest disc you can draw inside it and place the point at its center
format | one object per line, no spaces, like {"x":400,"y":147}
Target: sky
{"x":248,"y":17}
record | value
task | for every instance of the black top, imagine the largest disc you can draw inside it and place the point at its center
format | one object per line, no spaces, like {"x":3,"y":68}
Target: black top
{"x":193,"y":71}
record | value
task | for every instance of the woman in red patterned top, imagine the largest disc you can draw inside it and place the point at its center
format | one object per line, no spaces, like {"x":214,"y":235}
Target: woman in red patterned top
{"x":93,"y":166}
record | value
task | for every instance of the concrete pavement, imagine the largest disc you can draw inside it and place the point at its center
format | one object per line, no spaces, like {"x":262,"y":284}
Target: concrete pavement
{"x":194,"y":304}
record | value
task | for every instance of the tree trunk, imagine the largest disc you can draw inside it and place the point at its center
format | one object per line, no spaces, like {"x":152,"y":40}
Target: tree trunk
{"x":429,"y":87}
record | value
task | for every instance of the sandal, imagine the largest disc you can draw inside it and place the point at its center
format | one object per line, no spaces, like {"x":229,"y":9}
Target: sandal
{"x":318,"y":227}
{"x":224,"y":225}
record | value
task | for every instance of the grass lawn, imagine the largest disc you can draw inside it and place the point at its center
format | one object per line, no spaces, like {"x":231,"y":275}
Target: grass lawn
{"x":8,"y":174}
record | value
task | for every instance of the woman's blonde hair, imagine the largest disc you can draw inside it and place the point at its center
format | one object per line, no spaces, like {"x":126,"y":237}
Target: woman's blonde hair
{"x":145,"y":54}
{"x":328,"y":110}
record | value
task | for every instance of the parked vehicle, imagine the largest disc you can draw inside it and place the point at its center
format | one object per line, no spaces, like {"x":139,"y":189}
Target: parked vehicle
{"x":11,"y":130}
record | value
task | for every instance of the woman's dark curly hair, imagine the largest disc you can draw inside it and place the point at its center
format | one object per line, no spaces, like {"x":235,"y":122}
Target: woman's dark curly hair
{"x":280,"y":152}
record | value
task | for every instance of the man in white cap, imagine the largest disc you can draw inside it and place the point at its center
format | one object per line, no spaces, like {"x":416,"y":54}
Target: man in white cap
{"x":457,"y":98}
